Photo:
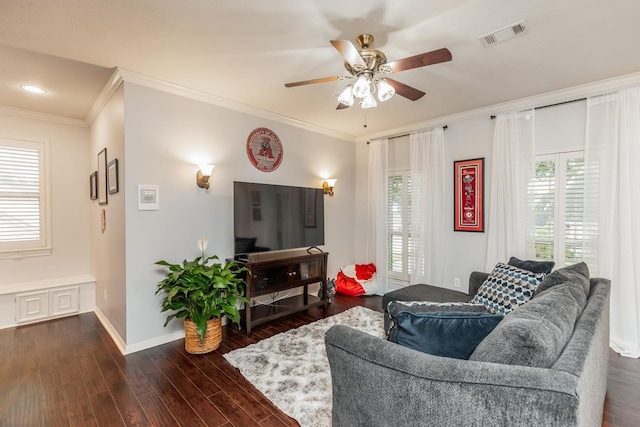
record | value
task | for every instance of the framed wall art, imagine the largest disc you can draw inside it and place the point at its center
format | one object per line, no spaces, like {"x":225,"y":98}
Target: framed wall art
{"x":93,"y":185}
{"x":102,"y":177}
{"x":112,"y":174}
{"x":468,"y":195}
{"x":264,"y":149}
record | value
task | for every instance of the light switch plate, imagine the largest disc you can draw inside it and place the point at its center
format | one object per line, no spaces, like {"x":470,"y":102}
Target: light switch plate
{"x":148,"y":197}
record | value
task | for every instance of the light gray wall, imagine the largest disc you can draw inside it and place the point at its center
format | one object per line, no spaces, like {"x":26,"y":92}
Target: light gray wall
{"x":166,"y":136}
{"x":69,"y":175}
{"x":108,"y":255}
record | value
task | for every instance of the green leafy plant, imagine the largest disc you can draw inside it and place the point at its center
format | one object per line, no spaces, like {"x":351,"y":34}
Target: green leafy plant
{"x":201,"y":291}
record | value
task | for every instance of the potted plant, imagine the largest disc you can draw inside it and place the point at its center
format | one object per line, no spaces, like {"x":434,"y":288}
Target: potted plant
{"x":202,"y":293}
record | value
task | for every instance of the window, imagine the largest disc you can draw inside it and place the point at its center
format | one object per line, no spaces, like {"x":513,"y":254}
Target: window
{"x":24,"y":212}
{"x":559,"y":204}
{"x":399,"y":226}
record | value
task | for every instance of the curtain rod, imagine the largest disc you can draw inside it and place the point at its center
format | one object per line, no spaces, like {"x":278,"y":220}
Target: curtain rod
{"x":553,"y":105}
{"x":407,"y":134}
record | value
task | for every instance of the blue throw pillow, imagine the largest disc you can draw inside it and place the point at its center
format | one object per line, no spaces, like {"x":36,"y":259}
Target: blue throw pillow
{"x":447,"y":334}
{"x":532,"y":265}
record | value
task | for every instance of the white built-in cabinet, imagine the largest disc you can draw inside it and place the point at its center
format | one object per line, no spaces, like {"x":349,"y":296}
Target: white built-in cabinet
{"x":47,"y":304}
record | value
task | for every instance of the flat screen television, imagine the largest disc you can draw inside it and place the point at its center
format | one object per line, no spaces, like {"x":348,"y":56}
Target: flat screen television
{"x":269,"y":217}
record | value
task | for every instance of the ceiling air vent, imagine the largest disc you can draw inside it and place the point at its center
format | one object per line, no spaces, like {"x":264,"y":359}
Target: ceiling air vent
{"x":505,"y":33}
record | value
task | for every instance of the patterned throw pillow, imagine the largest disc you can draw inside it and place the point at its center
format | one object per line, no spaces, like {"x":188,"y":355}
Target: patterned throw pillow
{"x":506,"y":288}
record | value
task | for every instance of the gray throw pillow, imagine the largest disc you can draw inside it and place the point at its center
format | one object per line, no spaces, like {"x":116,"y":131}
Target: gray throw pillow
{"x":535,"y":333}
{"x":534,"y":266}
{"x":578,"y":274}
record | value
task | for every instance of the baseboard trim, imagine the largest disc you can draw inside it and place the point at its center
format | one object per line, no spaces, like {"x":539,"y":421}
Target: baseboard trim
{"x":153,"y":342}
{"x":115,"y":336}
{"x":133,"y":348}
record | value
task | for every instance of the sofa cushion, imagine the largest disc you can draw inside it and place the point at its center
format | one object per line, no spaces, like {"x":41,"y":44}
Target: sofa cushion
{"x":449,"y":334}
{"x":422,"y":292}
{"x":506,"y":288}
{"x":577,"y":274}
{"x":535,"y":266}
{"x":416,"y":307}
{"x":535,"y":333}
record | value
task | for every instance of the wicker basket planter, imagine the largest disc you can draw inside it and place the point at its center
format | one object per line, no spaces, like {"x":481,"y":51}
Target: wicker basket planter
{"x":211,"y":341}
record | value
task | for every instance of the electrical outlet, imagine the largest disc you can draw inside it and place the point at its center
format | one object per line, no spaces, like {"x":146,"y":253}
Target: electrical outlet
{"x":105,"y":294}
{"x":456,"y":282}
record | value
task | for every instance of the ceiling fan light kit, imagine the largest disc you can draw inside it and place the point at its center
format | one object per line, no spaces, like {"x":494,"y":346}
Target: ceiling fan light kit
{"x":367,"y":66}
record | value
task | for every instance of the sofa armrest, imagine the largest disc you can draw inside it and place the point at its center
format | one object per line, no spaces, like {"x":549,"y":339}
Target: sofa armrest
{"x":379,"y":383}
{"x":476,"y":279}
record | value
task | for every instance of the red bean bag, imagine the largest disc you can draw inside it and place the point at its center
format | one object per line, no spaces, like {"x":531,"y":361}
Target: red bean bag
{"x":357,"y":279}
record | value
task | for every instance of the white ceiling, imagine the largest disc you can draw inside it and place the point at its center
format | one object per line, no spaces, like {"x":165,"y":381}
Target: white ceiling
{"x":246,"y":50}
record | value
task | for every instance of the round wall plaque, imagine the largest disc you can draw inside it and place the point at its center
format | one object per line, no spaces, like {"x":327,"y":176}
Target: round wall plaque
{"x":264,"y":149}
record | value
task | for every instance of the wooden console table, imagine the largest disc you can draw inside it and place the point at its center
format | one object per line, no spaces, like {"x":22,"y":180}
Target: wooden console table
{"x":271,"y":273}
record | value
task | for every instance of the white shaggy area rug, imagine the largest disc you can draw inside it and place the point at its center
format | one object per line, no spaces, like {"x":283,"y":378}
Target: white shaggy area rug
{"x":291,"y":369}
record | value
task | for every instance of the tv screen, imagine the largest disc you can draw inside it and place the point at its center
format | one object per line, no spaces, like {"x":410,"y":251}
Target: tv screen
{"x":275,"y":217}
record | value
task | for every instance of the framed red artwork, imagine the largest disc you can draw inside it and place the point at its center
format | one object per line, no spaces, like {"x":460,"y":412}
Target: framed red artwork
{"x":468,"y":195}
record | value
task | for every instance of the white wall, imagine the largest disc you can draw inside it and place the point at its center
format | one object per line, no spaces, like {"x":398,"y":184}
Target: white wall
{"x":108,"y":256}
{"x":69,"y":202}
{"x":557,"y":128}
{"x":165,"y":137}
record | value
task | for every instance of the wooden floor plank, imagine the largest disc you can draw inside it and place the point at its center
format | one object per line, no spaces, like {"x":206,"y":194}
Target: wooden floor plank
{"x":173,"y":400}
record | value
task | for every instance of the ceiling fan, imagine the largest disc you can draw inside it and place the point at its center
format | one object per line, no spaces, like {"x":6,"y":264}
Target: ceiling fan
{"x":370,"y":68}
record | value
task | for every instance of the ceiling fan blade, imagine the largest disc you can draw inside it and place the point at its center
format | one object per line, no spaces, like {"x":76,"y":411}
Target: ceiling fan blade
{"x":429,"y":58}
{"x":341,"y":106}
{"x":349,"y":51}
{"x":406,"y":91}
{"x":308,"y":82}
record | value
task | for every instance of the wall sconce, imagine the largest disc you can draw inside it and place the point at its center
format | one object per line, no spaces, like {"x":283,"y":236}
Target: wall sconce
{"x":327,"y":186}
{"x":203,"y":175}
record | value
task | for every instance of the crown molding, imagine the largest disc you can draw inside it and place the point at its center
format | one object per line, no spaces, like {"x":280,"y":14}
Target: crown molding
{"x":581,"y":91}
{"x":103,"y":97}
{"x":29,"y":114}
{"x":172,"y":88}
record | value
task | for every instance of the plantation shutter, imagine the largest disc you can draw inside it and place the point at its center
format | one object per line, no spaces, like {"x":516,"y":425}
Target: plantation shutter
{"x":544,"y":202}
{"x":22,"y":196}
{"x":395,"y":218}
{"x":558,"y":189}
{"x":574,"y":210}
{"x":398,"y":217}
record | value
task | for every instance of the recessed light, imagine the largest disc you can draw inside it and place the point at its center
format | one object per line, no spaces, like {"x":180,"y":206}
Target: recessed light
{"x":33,"y":89}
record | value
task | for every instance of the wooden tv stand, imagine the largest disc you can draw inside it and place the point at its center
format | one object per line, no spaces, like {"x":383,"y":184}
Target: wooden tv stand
{"x":272,"y":273}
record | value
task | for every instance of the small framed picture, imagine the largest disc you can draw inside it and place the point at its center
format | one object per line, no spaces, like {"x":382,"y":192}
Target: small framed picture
{"x":257,"y":216}
{"x":112,"y":176}
{"x":93,"y":185}
{"x":102,"y":177}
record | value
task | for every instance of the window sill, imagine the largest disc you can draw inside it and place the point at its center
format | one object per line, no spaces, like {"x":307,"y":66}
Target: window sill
{"x":25,"y":253}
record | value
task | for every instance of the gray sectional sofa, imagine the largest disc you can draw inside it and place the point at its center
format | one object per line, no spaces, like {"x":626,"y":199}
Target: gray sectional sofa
{"x":521,"y":374}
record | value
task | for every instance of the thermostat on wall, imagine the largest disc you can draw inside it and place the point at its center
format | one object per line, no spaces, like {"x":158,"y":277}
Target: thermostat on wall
{"x":148,"y":198}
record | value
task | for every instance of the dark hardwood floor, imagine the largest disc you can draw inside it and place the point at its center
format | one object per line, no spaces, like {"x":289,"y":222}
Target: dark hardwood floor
{"x":68,"y":372}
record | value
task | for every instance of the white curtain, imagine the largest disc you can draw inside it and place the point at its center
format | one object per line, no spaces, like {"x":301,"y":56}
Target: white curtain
{"x":612,"y":205}
{"x":510,"y":209}
{"x":377,"y":234}
{"x":427,"y":207}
